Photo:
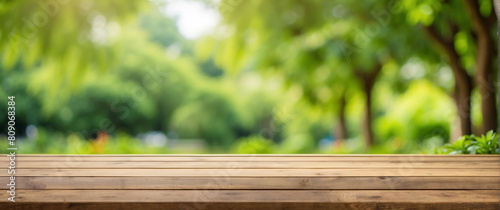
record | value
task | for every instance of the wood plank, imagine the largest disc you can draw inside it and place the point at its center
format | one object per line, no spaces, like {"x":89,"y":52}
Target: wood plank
{"x":238,"y":183}
{"x":261,"y":196}
{"x":254,"y":181}
{"x":251,"y":165}
{"x":258,"y":155}
{"x":256,"y":158}
{"x":238,"y":172}
{"x":248,"y":206}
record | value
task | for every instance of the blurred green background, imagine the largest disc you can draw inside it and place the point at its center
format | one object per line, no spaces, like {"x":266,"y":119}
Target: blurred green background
{"x":234,"y":76}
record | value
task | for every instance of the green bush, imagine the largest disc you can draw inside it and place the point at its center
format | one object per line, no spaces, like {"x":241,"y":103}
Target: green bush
{"x":423,"y":112}
{"x":254,"y":145}
{"x":471,"y":144}
{"x":297,"y":144}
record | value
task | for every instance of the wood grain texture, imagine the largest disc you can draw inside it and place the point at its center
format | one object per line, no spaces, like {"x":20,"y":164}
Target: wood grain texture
{"x":253,"y":182}
{"x":249,"y":165}
{"x":257,"y":158}
{"x":238,"y":172}
{"x":230,"y":196}
{"x":248,"y":206}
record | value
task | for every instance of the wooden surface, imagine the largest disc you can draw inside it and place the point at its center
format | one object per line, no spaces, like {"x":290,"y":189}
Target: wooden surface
{"x":253,"y":182}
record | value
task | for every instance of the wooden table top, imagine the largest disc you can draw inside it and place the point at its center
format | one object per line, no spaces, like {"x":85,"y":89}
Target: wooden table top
{"x":253,"y":181}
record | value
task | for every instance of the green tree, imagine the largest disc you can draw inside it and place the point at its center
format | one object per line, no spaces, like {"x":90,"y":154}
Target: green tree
{"x":463,"y":31}
{"x":326,"y":48}
{"x":64,"y":38}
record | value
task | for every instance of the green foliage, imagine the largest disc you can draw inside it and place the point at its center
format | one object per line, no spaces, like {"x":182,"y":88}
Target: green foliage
{"x":305,"y":128}
{"x":449,"y":19}
{"x":297,"y":144}
{"x":389,"y":146}
{"x":208,"y":115}
{"x":253,"y":145}
{"x":422,"y":112}
{"x":60,"y":30}
{"x":62,"y":40}
{"x":471,"y":144}
{"x":163,"y":31}
{"x":47,"y":142}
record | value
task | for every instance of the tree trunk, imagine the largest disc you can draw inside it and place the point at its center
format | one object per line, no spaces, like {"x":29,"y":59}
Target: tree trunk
{"x":462,"y":102}
{"x":496,"y":4}
{"x":484,"y":59}
{"x":484,"y":77}
{"x":463,"y":82}
{"x":368,"y":80}
{"x":367,"y":121}
{"x":341,"y":128}
{"x":463,"y":90}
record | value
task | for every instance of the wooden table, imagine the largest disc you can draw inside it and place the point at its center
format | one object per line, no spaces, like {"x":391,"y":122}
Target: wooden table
{"x":253,"y":182}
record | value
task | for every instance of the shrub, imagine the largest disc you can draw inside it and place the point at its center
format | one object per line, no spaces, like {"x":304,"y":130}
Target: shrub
{"x":471,"y":144}
{"x":254,"y":145}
